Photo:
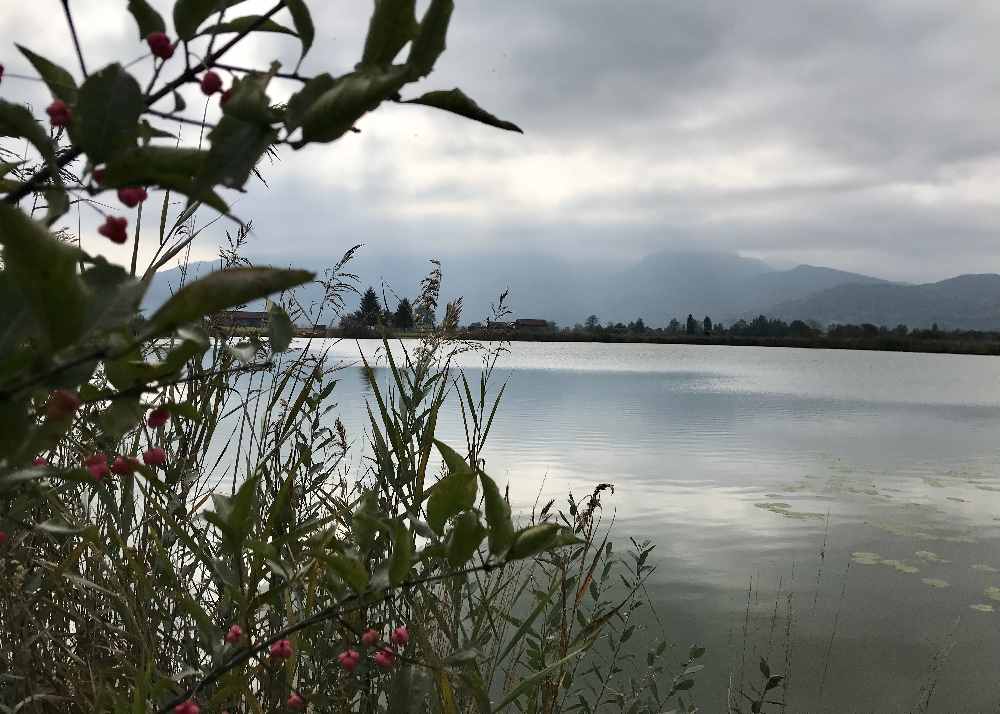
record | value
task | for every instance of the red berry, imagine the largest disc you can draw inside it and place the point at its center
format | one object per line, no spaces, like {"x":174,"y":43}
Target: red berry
{"x":98,"y":471}
{"x":154,"y":457}
{"x":296,"y":701}
{"x":3,"y":535}
{"x":225,"y":97}
{"x":400,"y":636}
{"x":62,"y":403}
{"x":114,"y":229}
{"x":40,"y":461}
{"x":211,"y":83}
{"x":132,"y":196}
{"x":384,"y":659}
{"x":122,"y":466}
{"x":188,"y":707}
{"x":370,"y":638}
{"x":234,"y":634}
{"x":349,"y":659}
{"x":282,"y":649}
{"x":158,"y":417}
{"x":160,"y":45}
{"x":98,"y":175}
{"x":59,"y":113}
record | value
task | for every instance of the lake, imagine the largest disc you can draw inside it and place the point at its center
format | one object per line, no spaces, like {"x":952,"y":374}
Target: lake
{"x":835,"y":511}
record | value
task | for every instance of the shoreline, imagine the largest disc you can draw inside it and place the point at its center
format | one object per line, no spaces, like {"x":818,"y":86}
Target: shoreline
{"x":880,"y":344}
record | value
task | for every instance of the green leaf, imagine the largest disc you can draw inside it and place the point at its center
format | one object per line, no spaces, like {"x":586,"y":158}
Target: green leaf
{"x":464,"y":539}
{"x":696,"y":652}
{"x":539,"y":538}
{"x":221,"y":290}
{"x":498,"y":518}
{"x":16,"y":121}
{"x":59,"y":81}
{"x":147,"y":132}
{"x":334,"y":113}
{"x":528,"y":684}
{"x":123,"y":414}
{"x":350,"y":568}
{"x":765,"y":669}
{"x":454,"y":493}
{"x":303,"y":26}
{"x":57,"y":204}
{"x":456,"y":102}
{"x":280,"y":329}
{"x":393,"y":24}
{"x":189,"y":14}
{"x":237,"y":146}
{"x":148,"y":19}
{"x":107,"y":113}
{"x":243,"y":24}
{"x":430,"y":42}
{"x":172,"y":169}
{"x":43,"y":270}
{"x":299,"y":103}
{"x":402,"y":553}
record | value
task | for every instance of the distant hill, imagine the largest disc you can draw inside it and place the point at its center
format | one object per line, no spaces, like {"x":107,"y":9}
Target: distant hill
{"x":662,"y":286}
{"x":966,"y":302}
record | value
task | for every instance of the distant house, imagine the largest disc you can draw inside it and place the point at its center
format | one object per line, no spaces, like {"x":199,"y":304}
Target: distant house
{"x":531,"y":324}
{"x":495,"y":325}
{"x":476,"y":326}
{"x":241,"y":318}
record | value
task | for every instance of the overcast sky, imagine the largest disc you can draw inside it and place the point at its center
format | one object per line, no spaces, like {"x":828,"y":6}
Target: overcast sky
{"x":859,"y":134}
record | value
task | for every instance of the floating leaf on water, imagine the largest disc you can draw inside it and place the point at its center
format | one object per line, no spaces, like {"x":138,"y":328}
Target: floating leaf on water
{"x":900,"y":566}
{"x":930,"y":557}
{"x":989,"y":488}
{"x":935,"y":582}
{"x":983,"y":567}
{"x":992,"y":592}
{"x":784,"y":509}
{"x":863,"y":558}
{"x":956,"y":498}
{"x":982,"y":607}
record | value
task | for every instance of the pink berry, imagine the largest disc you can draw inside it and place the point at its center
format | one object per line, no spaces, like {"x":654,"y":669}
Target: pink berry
{"x":234,"y":634}
{"x":114,"y":229}
{"x":370,"y":638}
{"x":188,"y":707}
{"x":59,"y":113}
{"x":122,"y":466}
{"x":225,"y":97}
{"x":295,"y":701}
{"x":132,"y":196}
{"x":154,"y":457}
{"x":384,"y":659}
{"x":158,"y":417}
{"x":97,"y":465}
{"x":211,"y":83}
{"x":160,"y":45}
{"x":40,"y":461}
{"x":349,"y":659}
{"x":282,"y":649}
{"x":98,"y":175}
{"x":62,"y":403}
{"x":3,"y":537}
{"x":400,"y":636}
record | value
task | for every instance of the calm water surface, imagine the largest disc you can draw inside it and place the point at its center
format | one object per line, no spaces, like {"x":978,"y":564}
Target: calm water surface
{"x":856,"y":491}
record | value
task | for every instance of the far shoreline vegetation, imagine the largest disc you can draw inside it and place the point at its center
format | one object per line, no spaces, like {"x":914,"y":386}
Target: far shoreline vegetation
{"x":372,"y":321}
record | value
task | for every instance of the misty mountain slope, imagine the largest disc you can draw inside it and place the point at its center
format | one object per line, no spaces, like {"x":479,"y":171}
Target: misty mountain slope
{"x":966,"y":302}
{"x":763,"y":292}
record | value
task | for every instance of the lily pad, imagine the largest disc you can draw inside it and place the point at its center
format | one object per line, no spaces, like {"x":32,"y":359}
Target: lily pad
{"x":982,"y":607}
{"x":935,"y":582}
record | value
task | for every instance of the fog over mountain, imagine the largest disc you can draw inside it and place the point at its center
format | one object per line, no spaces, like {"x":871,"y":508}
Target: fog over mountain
{"x":661,"y":286}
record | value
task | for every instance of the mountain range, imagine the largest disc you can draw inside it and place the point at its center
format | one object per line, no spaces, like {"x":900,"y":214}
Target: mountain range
{"x":662,"y":286}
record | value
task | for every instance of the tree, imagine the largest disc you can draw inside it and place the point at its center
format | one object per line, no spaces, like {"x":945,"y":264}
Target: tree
{"x":370,"y":311}
{"x":692,"y":325}
{"x":707,"y":325}
{"x":424,"y":317}
{"x":674,"y":326}
{"x":403,"y":317}
{"x":592,"y":322}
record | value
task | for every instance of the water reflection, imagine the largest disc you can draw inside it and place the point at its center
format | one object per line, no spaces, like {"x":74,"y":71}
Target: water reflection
{"x":794,"y":496}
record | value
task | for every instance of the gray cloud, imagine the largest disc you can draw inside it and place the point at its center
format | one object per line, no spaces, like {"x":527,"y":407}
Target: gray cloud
{"x":863,"y":134}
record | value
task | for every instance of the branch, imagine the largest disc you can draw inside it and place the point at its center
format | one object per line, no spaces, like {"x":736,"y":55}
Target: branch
{"x":332,"y":612}
{"x":44,"y":174}
{"x":76,"y":39}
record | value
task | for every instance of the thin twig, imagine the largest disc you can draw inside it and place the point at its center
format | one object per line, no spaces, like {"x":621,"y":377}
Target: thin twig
{"x":76,"y":39}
